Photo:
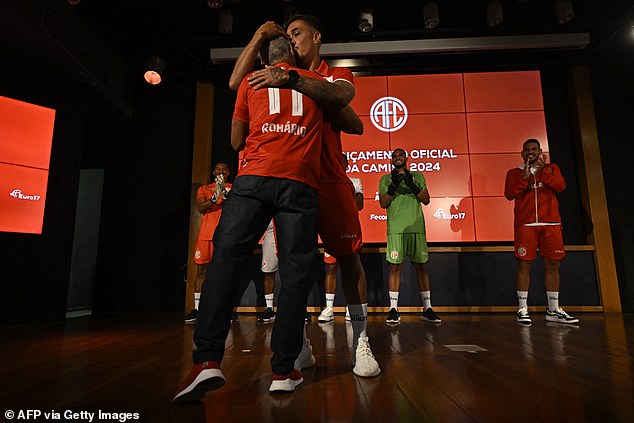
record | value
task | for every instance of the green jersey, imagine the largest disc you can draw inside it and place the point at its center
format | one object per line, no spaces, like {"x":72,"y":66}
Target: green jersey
{"x":404,"y":215}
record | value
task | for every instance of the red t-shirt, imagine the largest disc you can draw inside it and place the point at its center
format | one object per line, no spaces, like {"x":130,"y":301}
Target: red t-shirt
{"x":285,"y":132}
{"x":211,"y":216}
{"x":332,"y":170}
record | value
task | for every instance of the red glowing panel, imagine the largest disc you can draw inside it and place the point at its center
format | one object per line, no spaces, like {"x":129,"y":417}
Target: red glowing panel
{"x":26,"y":133}
{"x":368,"y":90}
{"x":373,"y":222}
{"x":493,"y":219}
{"x":428,"y":93}
{"x":449,"y":220}
{"x":22,"y":198}
{"x":432,"y":132}
{"x":488,"y":172}
{"x":505,"y":132}
{"x":503,"y":91}
{"x":445,"y":177}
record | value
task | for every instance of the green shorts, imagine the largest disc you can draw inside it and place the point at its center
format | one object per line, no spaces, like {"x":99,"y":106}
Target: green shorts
{"x":413,"y":246}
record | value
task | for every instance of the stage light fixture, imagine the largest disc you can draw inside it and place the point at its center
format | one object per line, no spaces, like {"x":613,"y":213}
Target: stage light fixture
{"x":154,"y":66}
{"x":74,"y":2}
{"x":366,"y":20}
{"x":215,"y":4}
{"x":564,"y":12}
{"x":430,"y":15}
{"x":225,"y":21}
{"x":494,"y":13}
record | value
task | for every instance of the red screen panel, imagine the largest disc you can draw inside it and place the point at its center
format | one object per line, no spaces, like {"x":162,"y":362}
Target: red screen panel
{"x":22,"y":199}
{"x":26,"y":133}
{"x":449,"y":220}
{"x":462,"y":131}
{"x":503,"y":91}
{"x":504,"y":132}
{"x":429,"y":93}
{"x":493,"y":219}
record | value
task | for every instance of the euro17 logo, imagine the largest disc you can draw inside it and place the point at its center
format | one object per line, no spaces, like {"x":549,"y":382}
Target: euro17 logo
{"x":388,"y":114}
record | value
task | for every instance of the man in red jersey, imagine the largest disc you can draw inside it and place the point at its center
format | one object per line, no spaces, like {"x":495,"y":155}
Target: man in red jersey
{"x":209,"y":201}
{"x":280,"y":131}
{"x":339,"y":226}
{"x":533,"y":186}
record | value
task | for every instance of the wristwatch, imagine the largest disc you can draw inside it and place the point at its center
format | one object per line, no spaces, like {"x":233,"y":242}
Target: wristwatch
{"x":293,"y":77}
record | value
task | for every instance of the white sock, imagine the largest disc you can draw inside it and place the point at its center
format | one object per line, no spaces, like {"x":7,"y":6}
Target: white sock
{"x":330,"y":300}
{"x":269,"y":300}
{"x":393,"y":299}
{"x":426,"y":297}
{"x":522,"y":299}
{"x":359,"y":320}
{"x":553,"y":300}
{"x":196,"y":299}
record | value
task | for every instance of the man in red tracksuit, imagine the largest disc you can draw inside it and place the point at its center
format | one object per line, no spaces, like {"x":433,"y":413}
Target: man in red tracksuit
{"x":533,"y":186}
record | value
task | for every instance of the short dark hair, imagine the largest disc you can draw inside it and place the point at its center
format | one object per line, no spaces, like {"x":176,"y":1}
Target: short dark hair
{"x":312,"y":21}
{"x":399,"y":149}
{"x":530,"y":140}
{"x":275,"y":50}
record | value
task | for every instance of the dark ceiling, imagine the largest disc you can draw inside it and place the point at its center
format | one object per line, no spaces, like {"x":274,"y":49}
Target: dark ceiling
{"x":105,"y":42}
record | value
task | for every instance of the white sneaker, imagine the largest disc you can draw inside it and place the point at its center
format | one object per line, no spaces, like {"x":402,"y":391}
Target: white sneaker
{"x":560,"y":316}
{"x":327,"y":315}
{"x":305,"y":358}
{"x":364,"y":363}
{"x":286,"y":383}
{"x":523,"y":317}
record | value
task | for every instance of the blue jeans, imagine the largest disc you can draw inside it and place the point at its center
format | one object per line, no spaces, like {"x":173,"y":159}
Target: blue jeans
{"x":251,"y":204}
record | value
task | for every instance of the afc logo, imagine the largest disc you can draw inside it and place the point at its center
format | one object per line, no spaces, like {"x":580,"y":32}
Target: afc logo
{"x":388,"y":114}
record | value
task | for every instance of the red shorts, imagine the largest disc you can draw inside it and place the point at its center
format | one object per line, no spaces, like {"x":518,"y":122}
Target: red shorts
{"x":328,"y":259}
{"x":338,"y":219}
{"x":548,"y":239}
{"x":203,"y":251}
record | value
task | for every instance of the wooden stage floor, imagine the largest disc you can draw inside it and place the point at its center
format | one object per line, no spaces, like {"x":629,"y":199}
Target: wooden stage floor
{"x":508,"y":373}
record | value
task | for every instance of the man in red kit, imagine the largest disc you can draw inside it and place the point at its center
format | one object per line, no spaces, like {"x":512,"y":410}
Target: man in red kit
{"x":209,"y":201}
{"x":339,"y":226}
{"x":533,"y":186}
{"x":280,"y":131}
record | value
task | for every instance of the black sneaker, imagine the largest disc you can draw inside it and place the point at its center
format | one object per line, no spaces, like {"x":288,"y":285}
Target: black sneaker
{"x":308,"y":318}
{"x":191,"y":317}
{"x":234,"y":317}
{"x":393,"y":316}
{"x":430,"y":316}
{"x":267,"y":316}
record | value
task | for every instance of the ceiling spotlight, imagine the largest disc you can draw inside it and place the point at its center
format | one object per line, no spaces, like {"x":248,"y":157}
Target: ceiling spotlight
{"x":215,"y":4}
{"x":154,"y":66}
{"x":225,"y":21}
{"x":430,"y":14}
{"x":366,"y":20}
{"x":74,"y":2}
{"x":494,"y":13}
{"x":564,"y":12}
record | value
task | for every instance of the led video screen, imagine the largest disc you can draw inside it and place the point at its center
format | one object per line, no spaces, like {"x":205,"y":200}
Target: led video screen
{"x":26,"y":134}
{"x":463,"y":131}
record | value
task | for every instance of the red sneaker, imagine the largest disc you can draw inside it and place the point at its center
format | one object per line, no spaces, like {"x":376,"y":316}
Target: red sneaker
{"x":202,"y":378}
{"x":286,"y":383}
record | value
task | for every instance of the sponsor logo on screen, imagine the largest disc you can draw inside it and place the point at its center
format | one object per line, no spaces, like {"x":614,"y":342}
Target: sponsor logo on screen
{"x":388,"y":114}
{"x":442,"y":214}
{"x":17,"y":193}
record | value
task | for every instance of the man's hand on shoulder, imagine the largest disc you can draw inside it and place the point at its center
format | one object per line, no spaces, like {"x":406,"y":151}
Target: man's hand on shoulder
{"x":268,"y":77}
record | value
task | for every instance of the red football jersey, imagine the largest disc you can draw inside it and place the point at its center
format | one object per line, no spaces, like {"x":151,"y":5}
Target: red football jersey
{"x":212,"y":216}
{"x":285,"y":132}
{"x":332,"y":170}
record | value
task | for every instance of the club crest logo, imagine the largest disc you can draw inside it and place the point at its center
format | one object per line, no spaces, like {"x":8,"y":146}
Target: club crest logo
{"x":388,"y":114}
{"x":197,"y":254}
{"x":521,"y":251}
{"x":394,"y":255}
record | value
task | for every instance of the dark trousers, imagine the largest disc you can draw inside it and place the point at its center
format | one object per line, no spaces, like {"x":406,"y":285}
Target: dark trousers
{"x":251,"y":204}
